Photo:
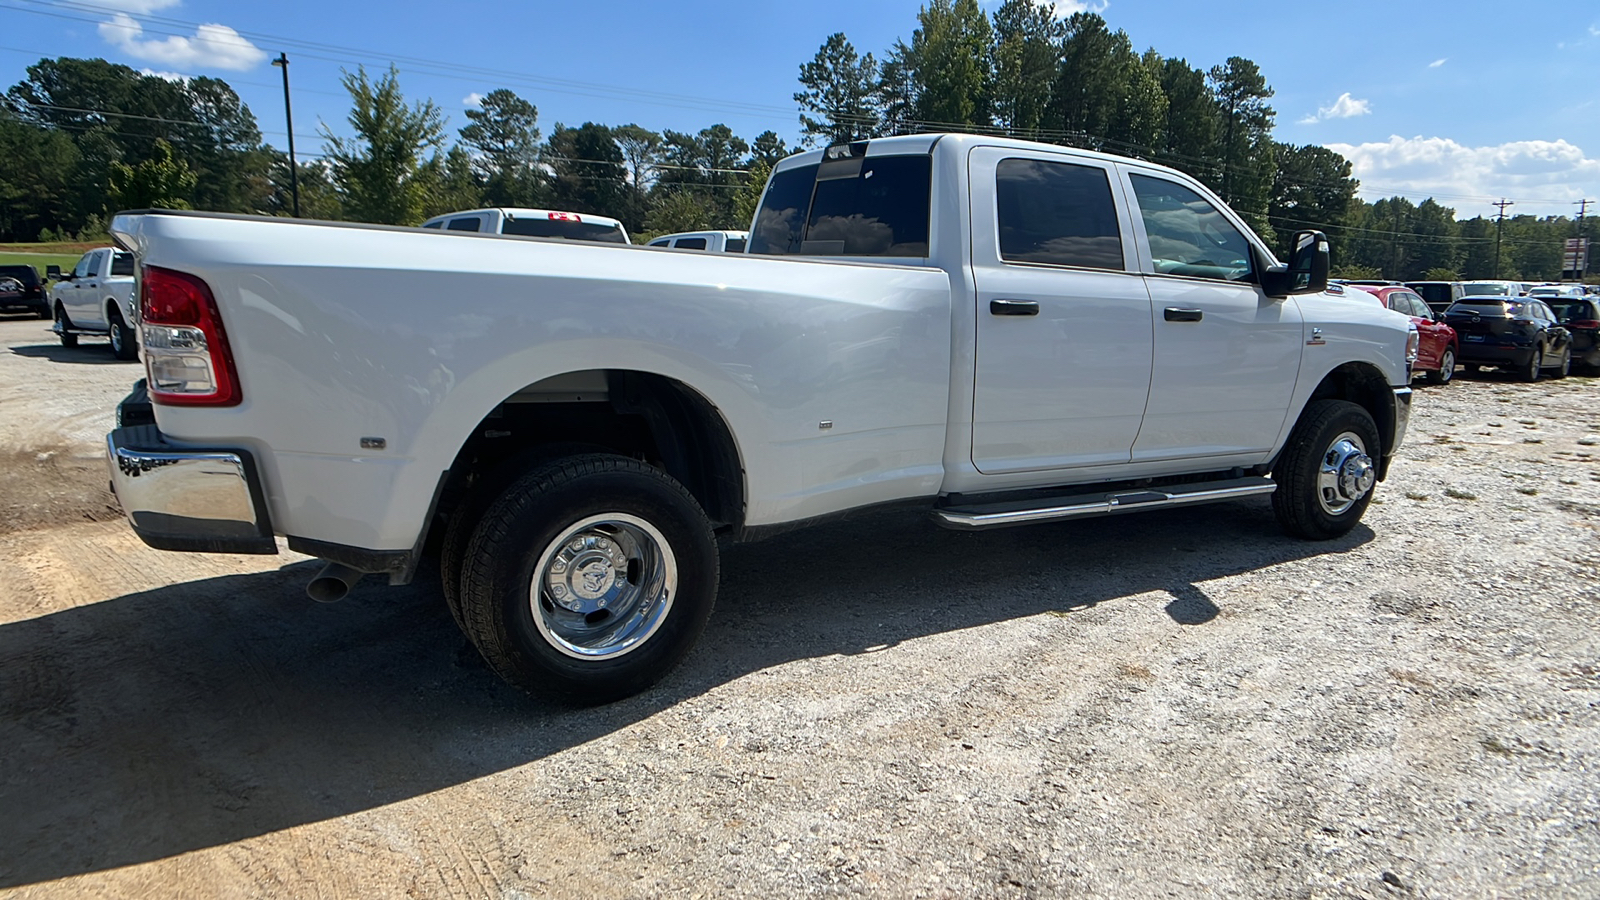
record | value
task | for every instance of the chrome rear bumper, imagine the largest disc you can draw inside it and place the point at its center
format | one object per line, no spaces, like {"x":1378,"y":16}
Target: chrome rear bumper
{"x":182,"y":498}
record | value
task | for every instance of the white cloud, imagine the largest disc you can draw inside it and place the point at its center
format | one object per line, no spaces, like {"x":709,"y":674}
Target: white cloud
{"x":1438,"y":62}
{"x":1343,"y":108}
{"x":1064,"y":8}
{"x":1543,"y":177}
{"x":166,"y":76}
{"x":213,"y":46}
{"x":472,"y":99}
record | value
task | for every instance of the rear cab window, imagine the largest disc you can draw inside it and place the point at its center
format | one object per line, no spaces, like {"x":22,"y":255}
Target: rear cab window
{"x":570,"y":229}
{"x":851,"y":204}
{"x":465,"y":223}
{"x":691,"y":243}
{"x":122,"y":264}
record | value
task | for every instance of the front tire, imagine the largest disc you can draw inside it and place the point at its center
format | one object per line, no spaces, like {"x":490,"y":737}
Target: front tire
{"x":588,"y":579}
{"x":1327,"y":472}
{"x":1447,"y":368}
{"x":123,"y":343}
{"x":62,"y":324}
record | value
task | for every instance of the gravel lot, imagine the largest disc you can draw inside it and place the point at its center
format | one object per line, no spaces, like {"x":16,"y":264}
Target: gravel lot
{"x":1173,"y":704}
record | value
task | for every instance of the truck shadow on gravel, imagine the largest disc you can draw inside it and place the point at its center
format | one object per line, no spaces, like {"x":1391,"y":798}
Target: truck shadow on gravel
{"x":204,"y":713}
{"x":93,"y":354}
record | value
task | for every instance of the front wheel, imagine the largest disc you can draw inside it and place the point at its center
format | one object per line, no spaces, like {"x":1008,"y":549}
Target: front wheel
{"x":1447,"y":368}
{"x":1327,"y":472}
{"x":63,"y":323}
{"x":588,"y":579}
{"x":123,"y":344}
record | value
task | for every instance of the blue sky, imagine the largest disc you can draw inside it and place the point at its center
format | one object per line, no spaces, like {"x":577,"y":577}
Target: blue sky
{"x":1464,"y":102}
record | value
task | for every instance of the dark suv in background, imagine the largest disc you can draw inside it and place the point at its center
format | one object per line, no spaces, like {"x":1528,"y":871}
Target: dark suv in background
{"x":1438,"y":294}
{"x":21,"y":290}
{"x":1518,"y":334}
{"x":1580,"y":316}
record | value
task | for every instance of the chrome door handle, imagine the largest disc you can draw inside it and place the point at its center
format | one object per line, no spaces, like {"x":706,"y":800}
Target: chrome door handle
{"x":1183,"y":314}
{"x":1013,"y":308}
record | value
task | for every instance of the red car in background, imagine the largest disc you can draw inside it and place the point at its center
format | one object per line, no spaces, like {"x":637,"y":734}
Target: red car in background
{"x":1440,"y":346}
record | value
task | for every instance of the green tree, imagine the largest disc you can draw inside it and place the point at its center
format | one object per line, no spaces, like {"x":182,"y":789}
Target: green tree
{"x":840,"y":88}
{"x":677,"y":208}
{"x":748,"y":198}
{"x":1312,"y":188}
{"x":37,"y":167}
{"x":948,"y":65}
{"x":767,"y":148}
{"x":641,"y":151}
{"x":454,"y":184}
{"x":708,"y":164}
{"x":1091,"y":79}
{"x":1247,"y":146}
{"x":382,"y":174}
{"x":160,"y":182}
{"x":502,"y":136}
{"x":1139,"y":124}
{"x":896,"y":92}
{"x":590,"y":175}
{"x":1190,"y":135}
{"x":1027,"y":37}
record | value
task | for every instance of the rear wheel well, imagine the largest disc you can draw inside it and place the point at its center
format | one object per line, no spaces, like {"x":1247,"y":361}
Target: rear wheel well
{"x":639,"y":415}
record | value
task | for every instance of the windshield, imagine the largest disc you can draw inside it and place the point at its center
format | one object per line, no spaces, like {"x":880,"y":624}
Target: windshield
{"x":567,"y":230}
{"x":1567,"y":310}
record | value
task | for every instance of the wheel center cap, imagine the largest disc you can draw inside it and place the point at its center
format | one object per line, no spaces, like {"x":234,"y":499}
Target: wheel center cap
{"x":583,"y":574}
{"x":1356,"y":476}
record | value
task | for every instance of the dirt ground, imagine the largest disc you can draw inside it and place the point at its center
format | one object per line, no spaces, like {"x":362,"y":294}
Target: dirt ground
{"x":1183,"y":703}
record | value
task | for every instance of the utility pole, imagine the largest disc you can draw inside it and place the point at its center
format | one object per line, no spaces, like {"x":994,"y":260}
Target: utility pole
{"x":282,"y":62}
{"x":1580,"y":257}
{"x":1499,"y":222}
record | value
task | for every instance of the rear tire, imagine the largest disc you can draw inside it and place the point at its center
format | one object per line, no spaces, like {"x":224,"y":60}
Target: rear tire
{"x":1565,"y":368}
{"x":1446,"y":370}
{"x":1327,"y":472}
{"x":124,"y":345}
{"x":1530,"y":371}
{"x":588,"y":579}
{"x":62,"y":324}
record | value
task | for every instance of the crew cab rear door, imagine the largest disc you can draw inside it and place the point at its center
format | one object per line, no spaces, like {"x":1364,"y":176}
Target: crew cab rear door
{"x":1063,"y":327}
{"x":1226,"y":355}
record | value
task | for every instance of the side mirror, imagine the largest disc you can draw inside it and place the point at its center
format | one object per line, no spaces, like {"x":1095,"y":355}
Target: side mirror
{"x":1307,"y":271}
{"x":52,"y":272}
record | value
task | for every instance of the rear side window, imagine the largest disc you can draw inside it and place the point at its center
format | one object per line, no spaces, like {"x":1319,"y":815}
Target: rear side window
{"x":861,"y":206}
{"x":735,"y":245}
{"x":122,"y":264}
{"x":468,"y":224}
{"x":660,"y":243}
{"x":1057,"y":213}
{"x":565,"y":229}
{"x":691,"y":244}
{"x":433,"y":225}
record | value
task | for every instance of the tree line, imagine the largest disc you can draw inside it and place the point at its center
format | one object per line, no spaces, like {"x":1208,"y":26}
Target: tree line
{"x":82,"y":137}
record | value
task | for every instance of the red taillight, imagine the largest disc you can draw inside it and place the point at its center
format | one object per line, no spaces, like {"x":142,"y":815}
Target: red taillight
{"x":186,"y":357}
{"x":1584,"y":323}
{"x":564,"y":217}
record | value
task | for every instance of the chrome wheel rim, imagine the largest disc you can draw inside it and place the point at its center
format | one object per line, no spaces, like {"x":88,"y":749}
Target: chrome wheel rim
{"x":116,"y":335}
{"x":604,"y":586}
{"x":1346,"y":474}
{"x":1447,"y":366}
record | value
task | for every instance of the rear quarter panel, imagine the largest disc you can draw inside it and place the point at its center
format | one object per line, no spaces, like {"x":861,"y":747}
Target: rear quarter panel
{"x":342,"y":332}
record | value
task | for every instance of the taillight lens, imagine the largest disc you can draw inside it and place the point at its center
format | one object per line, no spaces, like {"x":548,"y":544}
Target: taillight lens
{"x":1584,"y":323}
{"x":186,"y":355}
{"x":1413,"y":344}
{"x":564,"y":217}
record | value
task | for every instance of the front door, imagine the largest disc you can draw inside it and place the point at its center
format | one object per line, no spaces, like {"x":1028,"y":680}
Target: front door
{"x":1226,"y":354}
{"x":1062,"y":367}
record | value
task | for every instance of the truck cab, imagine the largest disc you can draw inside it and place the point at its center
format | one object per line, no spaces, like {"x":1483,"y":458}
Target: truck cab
{"x":96,"y":299}
{"x":709,"y":241}
{"x":545,"y":223}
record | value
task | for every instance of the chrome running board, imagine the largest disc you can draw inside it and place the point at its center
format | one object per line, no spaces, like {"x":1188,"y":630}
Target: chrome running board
{"x":1050,"y":509}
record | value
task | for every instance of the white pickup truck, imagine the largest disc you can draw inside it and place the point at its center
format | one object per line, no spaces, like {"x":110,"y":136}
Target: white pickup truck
{"x":998,"y":331}
{"x":96,"y":299}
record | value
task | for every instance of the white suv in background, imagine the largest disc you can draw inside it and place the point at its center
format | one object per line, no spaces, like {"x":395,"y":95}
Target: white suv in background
{"x":546,"y":223}
{"x":710,"y":241}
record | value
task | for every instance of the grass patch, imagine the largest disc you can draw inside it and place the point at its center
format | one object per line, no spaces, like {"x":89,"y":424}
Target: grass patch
{"x":1416,"y":495}
{"x":65,"y":260}
{"x":1457,"y":494}
{"x":1531,"y":492}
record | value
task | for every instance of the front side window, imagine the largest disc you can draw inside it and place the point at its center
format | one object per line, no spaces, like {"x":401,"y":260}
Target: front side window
{"x":1188,"y":236}
{"x":82,"y":268}
{"x":95,"y":262}
{"x":1057,"y":214}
